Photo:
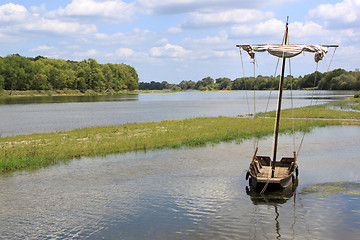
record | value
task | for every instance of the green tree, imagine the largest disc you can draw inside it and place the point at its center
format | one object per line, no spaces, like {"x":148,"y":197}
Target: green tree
{"x":223,"y":84}
{"x":310,"y":81}
{"x":205,"y":84}
{"x":325,"y":81}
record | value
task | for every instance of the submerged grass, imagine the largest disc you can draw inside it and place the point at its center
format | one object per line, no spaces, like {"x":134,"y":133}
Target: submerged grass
{"x":335,"y":188}
{"x":39,"y":150}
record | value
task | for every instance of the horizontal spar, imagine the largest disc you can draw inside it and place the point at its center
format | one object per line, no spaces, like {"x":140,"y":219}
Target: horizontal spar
{"x":329,"y":45}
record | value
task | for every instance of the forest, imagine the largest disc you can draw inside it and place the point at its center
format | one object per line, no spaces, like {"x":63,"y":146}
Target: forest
{"x":338,"y":79}
{"x":40,"y":73}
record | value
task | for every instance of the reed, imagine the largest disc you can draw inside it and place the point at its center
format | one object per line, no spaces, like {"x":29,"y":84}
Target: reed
{"x":38,"y":150}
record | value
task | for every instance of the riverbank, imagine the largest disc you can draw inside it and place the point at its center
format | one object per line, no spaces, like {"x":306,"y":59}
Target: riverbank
{"x":69,"y":92}
{"x":345,"y":109}
{"x":72,"y":93}
{"x":65,"y":92}
{"x":39,"y":150}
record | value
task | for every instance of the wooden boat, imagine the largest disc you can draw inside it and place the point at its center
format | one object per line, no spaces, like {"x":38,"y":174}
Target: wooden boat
{"x":276,"y":197}
{"x":264,"y":172}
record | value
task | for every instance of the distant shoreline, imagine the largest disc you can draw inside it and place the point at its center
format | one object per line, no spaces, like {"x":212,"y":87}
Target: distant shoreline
{"x":75,"y":93}
{"x":70,"y":93}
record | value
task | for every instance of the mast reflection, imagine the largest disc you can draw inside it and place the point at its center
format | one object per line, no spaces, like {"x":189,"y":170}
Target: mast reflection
{"x":275,"y":199}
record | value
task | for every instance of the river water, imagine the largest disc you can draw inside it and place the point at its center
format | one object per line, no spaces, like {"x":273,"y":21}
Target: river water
{"x":189,"y":193}
{"x":48,"y":114}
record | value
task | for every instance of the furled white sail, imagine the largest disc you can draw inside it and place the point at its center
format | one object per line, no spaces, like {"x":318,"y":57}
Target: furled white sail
{"x":287,"y":51}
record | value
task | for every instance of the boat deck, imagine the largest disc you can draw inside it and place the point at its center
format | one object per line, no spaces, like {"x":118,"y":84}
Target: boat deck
{"x":265,"y":173}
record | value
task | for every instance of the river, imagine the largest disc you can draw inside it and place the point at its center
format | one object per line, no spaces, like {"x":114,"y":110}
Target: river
{"x":189,"y":193}
{"x":48,"y":114}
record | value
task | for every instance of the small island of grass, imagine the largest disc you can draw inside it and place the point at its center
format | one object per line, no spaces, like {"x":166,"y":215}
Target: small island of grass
{"x":43,"y":149}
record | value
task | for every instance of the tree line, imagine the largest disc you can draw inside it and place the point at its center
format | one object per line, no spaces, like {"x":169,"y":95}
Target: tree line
{"x":338,"y":79}
{"x":40,"y":73}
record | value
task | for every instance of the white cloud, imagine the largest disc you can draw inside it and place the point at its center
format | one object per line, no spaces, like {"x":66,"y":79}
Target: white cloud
{"x":124,"y":52}
{"x":208,"y":41}
{"x":58,"y":27}
{"x":49,"y":51}
{"x":174,"y":30}
{"x":8,"y":38}
{"x":12,"y":13}
{"x":115,"y":10}
{"x":168,"y":50}
{"x":162,"y":41}
{"x":210,"y":47}
{"x":299,"y":29}
{"x":214,"y":19}
{"x":137,"y":36}
{"x":167,"y":7}
{"x":19,"y":22}
{"x":347,"y":11}
{"x":43,"y":48}
{"x":272,"y":31}
{"x":348,"y":52}
{"x":347,"y":57}
{"x":227,"y":53}
{"x":91,"y":53}
{"x":272,"y":27}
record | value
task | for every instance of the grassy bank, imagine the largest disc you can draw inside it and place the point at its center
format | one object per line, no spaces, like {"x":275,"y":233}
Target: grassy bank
{"x":38,"y":150}
{"x":334,"y":110}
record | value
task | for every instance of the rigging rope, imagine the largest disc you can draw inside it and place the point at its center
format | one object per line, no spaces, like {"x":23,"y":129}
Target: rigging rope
{"x":292,"y":105}
{"x":246,"y":94}
{"x":268,"y":101}
{"x":312,"y":97}
{"x":292,"y":101}
{"x":332,"y":57}
{"x":254,"y":120}
{"x":311,"y":103}
{"x":243,"y":71}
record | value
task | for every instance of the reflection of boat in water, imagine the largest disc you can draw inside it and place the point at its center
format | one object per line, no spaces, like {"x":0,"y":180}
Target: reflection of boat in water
{"x":274,"y":199}
{"x":264,"y":172}
{"x":278,"y":196}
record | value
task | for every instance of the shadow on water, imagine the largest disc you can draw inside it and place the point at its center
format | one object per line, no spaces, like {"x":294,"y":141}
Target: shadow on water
{"x":68,"y":99}
{"x":274,"y":199}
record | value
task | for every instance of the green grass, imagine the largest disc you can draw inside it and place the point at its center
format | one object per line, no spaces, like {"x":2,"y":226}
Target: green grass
{"x":39,"y":150}
{"x":335,"y":188}
{"x":322,"y":111}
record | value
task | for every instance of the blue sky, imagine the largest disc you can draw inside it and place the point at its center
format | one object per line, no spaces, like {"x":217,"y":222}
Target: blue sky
{"x":180,"y":39}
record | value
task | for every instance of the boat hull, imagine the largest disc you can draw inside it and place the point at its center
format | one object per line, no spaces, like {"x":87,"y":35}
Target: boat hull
{"x":260,"y":172}
{"x":271,"y":185}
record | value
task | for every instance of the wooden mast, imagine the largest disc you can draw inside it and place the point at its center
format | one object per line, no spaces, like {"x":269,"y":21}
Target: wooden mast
{"x":277,"y":121}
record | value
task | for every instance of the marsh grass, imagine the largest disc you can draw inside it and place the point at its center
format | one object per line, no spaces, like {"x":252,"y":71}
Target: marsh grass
{"x":39,"y":150}
{"x":333,"y":188}
{"x":322,"y":111}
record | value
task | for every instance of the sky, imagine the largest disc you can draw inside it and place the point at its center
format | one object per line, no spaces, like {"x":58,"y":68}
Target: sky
{"x":175,"y":40}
